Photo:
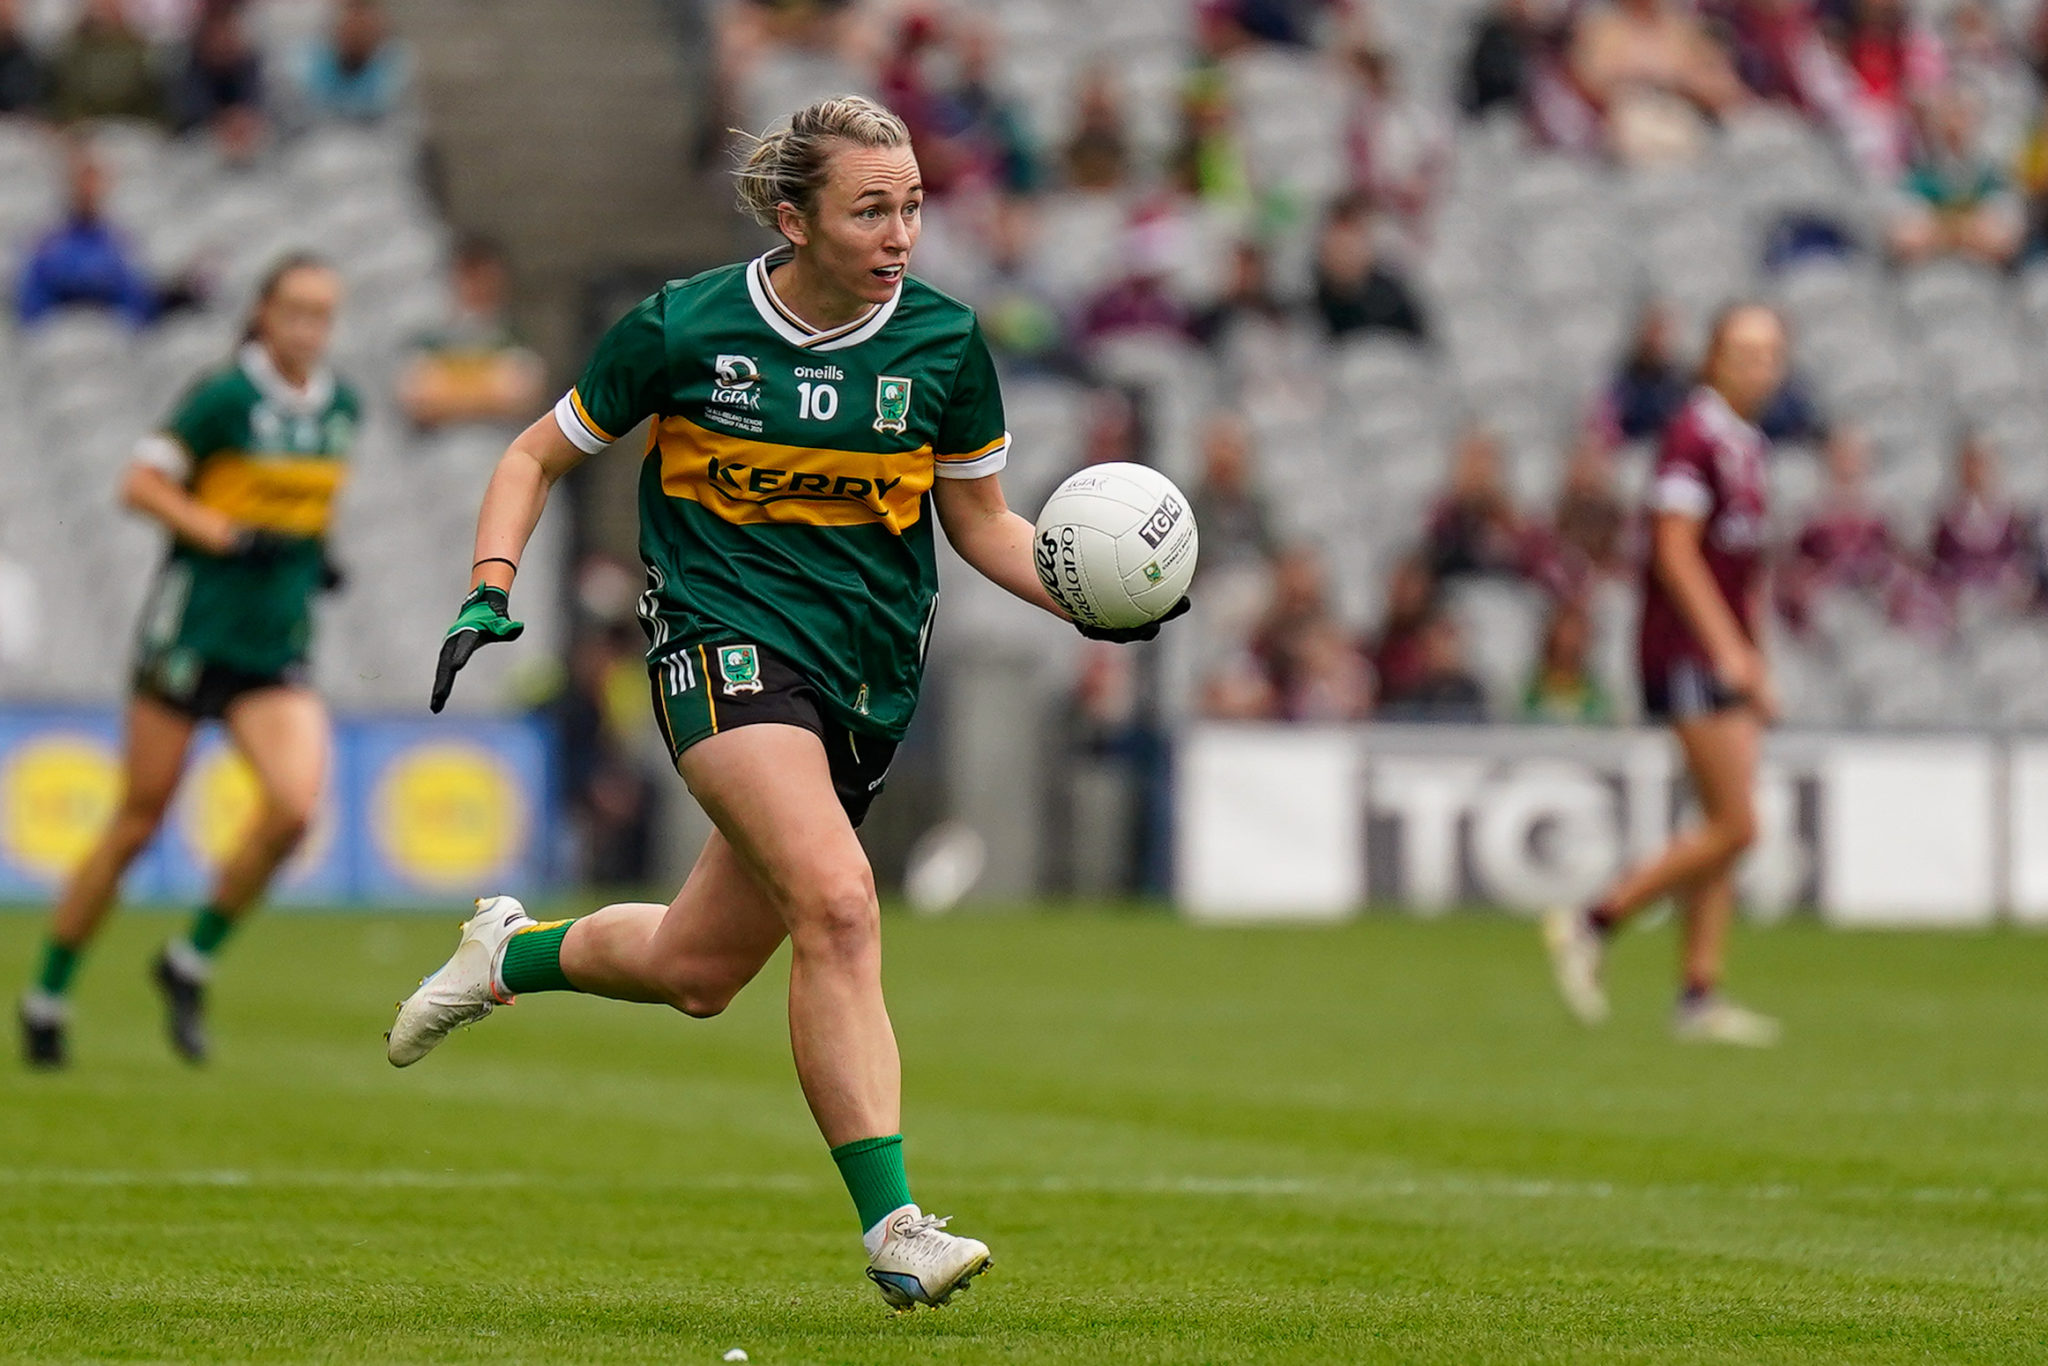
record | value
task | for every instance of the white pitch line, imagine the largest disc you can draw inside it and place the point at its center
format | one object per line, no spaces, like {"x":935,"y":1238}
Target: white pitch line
{"x":1439,"y":1186}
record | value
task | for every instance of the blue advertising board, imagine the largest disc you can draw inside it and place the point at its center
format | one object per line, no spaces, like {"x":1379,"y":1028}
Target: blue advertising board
{"x":417,"y":812}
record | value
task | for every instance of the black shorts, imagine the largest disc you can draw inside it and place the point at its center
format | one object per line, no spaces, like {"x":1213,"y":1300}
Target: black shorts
{"x":1686,"y":690}
{"x":202,"y":691}
{"x":700,"y":690}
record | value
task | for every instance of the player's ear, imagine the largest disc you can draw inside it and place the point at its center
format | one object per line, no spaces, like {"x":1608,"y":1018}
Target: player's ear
{"x":790,"y":220}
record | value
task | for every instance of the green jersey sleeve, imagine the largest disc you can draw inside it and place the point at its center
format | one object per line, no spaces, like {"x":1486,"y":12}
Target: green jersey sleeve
{"x":972,"y":441}
{"x":203,"y":423}
{"x":626,"y":380}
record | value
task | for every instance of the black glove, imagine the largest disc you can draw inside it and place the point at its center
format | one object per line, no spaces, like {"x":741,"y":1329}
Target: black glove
{"x":333,"y":578}
{"x":481,"y":622}
{"x":1125,"y":635}
{"x":258,"y":545}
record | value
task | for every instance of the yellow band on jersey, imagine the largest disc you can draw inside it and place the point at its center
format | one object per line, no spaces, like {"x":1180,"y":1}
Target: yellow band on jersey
{"x":293,"y":494}
{"x":755,"y":482}
{"x":583,"y":414}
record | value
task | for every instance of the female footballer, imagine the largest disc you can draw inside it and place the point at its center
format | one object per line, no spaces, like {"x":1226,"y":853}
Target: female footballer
{"x":1704,"y":674}
{"x":814,"y":410}
{"x":243,"y":477}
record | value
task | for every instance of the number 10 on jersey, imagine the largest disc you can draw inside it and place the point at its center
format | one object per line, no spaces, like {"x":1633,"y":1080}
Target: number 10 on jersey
{"x":816,"y":402}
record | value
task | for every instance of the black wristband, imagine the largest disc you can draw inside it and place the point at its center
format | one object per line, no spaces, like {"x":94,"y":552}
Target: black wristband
{"x":496,"y":559}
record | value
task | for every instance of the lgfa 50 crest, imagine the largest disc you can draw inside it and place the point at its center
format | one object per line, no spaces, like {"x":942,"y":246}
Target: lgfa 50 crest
{"x":892,"y":403}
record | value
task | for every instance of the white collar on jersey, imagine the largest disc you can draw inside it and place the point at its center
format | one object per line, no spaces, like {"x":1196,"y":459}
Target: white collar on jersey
{"x":1727,"y":424}
{"x":270,"y":382}
{"x":795,"y":330}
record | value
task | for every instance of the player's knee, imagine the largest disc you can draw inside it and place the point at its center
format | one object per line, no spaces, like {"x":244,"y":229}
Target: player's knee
{"x":138,"y":818}
{"x":287,"y":822}
{"x":1737,"y":830}
{"x":698,"y":1001}
{"x":839,"y":918}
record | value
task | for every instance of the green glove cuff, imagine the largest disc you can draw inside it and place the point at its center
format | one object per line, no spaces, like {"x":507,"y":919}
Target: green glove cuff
{"x":484,"y":611}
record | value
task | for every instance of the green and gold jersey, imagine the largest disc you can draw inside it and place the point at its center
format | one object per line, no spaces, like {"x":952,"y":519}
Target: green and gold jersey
{"x":272,"y":457}
{"x":784,"y":498}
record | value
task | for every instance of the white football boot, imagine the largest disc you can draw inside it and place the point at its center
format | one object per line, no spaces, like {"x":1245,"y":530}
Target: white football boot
{"x":1577,"y":953}
{"x":920,"y":1263}
{"x":1714,"y":1020}
{"x":462,"y":990}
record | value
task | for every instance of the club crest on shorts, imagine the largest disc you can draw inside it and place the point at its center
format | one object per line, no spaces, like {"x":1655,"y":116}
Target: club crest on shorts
{"x":892,"y":403}
{"x":740,"y":667}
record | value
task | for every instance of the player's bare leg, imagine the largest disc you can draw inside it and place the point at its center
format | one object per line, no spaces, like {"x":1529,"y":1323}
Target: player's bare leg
{"x":694,"y":954}
{"x":156,"y":743}
{"x":1703,"y":1014}
{"x":786,"y":863}
{"x":283,"y":734}
{"x":769,"y":790}
{"x":1721,"y":752}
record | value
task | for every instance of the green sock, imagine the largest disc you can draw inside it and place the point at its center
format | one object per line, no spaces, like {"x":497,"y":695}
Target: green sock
{"x":210,"y":930}
{"x":533,"y":959}
{"x":872,"y":1169}
{"x":59,"y":962}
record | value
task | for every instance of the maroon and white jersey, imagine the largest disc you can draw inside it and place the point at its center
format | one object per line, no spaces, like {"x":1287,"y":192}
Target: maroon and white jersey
{"x":1711,"y":467}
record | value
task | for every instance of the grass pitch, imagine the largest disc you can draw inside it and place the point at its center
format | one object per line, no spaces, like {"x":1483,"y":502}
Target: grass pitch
{"x":1376,"y":1143}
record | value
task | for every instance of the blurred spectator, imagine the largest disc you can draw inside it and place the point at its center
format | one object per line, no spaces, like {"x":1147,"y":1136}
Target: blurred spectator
{"x":1247,"y":299}
{"x":1141,"y":300}
{"x":1239,"y":690}
{"x":1846,"y":543}
{"x":222,"y":71}
{"x":1506,"y":43}
{"x":1980,"y":540}
{"x":1444,"y":689}
{"x":1290,"y":22}
{"x":1356,"y":292}
{"x":22,"y":78}
{"x":1650,"y":387}
{"x":1588,"y":536}
{"x":1778,"y":51}
{"x":1475,"y":528}
{"x":1208,"y":158}
{"x":1653,"y":71}
{"x":1892,"y":63}
{"x":1098,"y":156}
{"x":1397,"y":655}
{"x":104,"y":70}
{"x":1399,"y":146}
{"x":1316,"y":669}
{"x":1237,"y":528}
{"x":1013,"y":292}
{"x":1955,"y":200}
{"x":937,"y":77}
{"x":1562,"y":689}
{"x":476,"y":369}
{"x":358,"y":73}
{"x":1985,"y":64}
{"x":611,"y":798}
{"x":83,"y":262}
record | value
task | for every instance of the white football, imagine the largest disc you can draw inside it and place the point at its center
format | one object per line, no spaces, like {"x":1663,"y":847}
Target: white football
{"x":1116,"y":545}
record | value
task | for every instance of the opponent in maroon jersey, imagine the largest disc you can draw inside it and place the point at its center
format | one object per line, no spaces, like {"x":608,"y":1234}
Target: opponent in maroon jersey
{"x":1703,"y":674}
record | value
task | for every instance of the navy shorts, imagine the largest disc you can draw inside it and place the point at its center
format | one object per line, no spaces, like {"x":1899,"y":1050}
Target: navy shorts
{"x":700,"y":690}
{"x":202,"y":691}
{"x":1685,"y":691}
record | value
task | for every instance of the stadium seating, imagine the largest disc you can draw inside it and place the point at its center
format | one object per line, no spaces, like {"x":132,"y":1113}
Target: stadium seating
{"x":79,"y":389}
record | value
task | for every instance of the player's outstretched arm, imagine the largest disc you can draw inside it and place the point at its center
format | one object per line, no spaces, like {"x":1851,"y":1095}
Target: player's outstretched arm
{"x":513,"y":502}
{"x":996,"y":541}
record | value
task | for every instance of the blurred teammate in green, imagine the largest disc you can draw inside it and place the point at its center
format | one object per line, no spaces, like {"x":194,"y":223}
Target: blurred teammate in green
{"x":813,"y":412}
{"x":243,"y":476}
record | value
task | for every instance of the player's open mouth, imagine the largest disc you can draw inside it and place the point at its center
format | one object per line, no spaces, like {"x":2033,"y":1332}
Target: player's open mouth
{"x":890,"y":273}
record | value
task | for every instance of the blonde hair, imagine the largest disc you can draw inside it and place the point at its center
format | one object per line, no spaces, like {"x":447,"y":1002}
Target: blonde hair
{"x":788,"y":165}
